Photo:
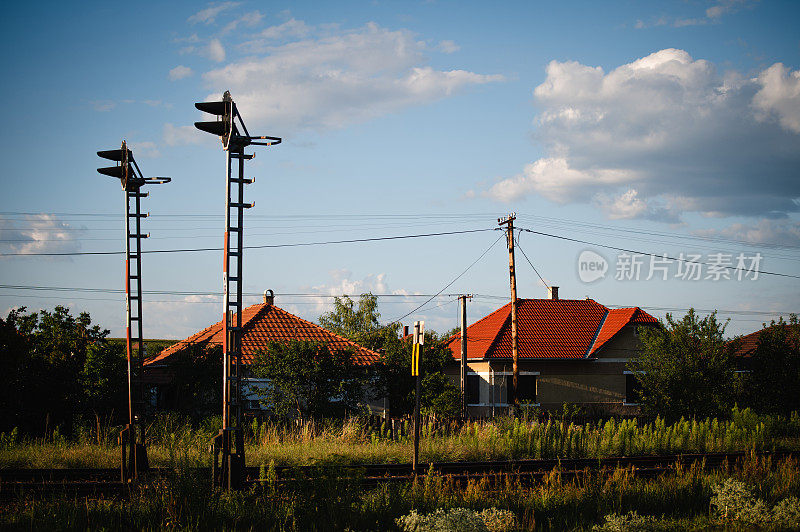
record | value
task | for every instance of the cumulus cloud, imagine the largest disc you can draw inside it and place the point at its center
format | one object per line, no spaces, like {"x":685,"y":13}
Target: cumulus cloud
{"x":333,"y":80}
{"x":180,"y":72}
{"x":209,"y":14}
{"x":39,"y":233}
{"x":215,"y":51}
{"x":779,"y":96}
{"x":662,"y":135}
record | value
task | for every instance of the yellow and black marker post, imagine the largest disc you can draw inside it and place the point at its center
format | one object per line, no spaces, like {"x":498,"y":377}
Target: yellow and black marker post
{"x":416,"y":371}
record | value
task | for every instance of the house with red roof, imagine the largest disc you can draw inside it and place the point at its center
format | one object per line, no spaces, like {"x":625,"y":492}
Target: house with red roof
{"x":261,"y":324}
{"x":569,"y":351}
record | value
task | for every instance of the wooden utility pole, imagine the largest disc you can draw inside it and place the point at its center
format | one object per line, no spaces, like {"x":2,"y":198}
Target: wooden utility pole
{"x":463,"y":300}
{"x":508,"y":221}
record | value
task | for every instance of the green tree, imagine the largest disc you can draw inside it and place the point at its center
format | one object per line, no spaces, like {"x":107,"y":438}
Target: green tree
{"x":45,"y":354}
{"x":685,"y":368}
{"x":196,"y":387}
{"x":357,"y":321}
{"x":391,"y":376}
{"x":773,"y":384}
{"x":104,"y":383}
{"x":309,"y":379}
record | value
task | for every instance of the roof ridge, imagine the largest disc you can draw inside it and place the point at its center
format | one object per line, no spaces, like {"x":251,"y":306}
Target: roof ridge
{"x":499,"y":332}
{"x":458,"y":334}
{"x":597,"y":333}
{"x":346,"y":340}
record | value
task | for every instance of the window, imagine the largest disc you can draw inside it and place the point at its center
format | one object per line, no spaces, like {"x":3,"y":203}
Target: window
{"x":473,"y":389}
{"x":526,"y":387}
{"x":632,"y":389}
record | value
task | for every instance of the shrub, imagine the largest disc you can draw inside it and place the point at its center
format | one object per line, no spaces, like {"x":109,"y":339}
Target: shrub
{"x":490,"y":520}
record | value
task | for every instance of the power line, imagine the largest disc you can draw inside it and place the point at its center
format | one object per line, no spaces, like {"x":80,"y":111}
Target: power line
{"x":529,"y":262}
{"x":204,"y":293}
{"x":450,"y":283}
{"x":264,"y":246}
{"x":651,"y":254}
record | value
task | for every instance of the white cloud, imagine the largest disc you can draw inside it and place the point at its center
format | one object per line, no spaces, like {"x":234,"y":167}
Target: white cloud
{"x":290,"y":29}
{"x":181,"y":135}
{"x":144,"y":149}
{"x":713,"y":14}
{"x":180,"y":72}
{"x":103,"y":105}
{"x":215,"y":51}
{"x":181,"y":318}
{"x":777,"y":232}
{"x":334,"y":80}
{"x":249,"y":20}
{"x":209,"y":14}
{"x":449,"y":47}
{"x":673,"y":130}
{"x":39,"y":233}
{"x":724,"y":7}
{"x":779,"y":96}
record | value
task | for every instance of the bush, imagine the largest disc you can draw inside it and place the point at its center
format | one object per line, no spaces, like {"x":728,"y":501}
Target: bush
{"x":734,"y":500}
{"x":490,"y":519}
{"x":631,"y":521}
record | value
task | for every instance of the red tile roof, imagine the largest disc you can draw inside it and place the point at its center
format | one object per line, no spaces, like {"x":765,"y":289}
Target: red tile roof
{"x":263,"y":323}
{"x":749,"y":342}
{"x":548,"y":328}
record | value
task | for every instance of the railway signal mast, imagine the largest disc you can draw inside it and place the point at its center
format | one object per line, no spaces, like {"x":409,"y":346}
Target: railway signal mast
{"x":229,"y":126}
{"x":132,"y":442}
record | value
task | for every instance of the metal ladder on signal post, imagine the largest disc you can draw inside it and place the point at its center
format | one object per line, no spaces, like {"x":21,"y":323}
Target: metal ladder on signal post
{"x":132,"y":437}
{"x":229,"y":443}
{"x":233,"y":436}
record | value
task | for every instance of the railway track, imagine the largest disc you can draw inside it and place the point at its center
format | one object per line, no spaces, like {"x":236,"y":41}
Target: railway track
{"x":14,"y":482}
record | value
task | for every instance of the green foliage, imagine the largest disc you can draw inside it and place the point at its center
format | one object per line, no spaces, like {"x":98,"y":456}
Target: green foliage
{"x":685,"y":368}
{"x":309,"y":379}
{"x":630,"y":521}
{"x":440,"y":396}
{"x":184,"y":500}
{"x":773,"y":384}
{"x":733,"y":500}
{"x":452,"y":519}
{"x":57,"y":367}
{"x":392,"y":375}
{"x":196,"y":388}
{"x":357,"y":322}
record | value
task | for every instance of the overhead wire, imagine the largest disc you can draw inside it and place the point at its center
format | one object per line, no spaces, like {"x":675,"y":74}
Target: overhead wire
{"x":263,"y":246}
{"x":529,"y":261}
{"x":450,"y":283}
{"x":664,"y":256}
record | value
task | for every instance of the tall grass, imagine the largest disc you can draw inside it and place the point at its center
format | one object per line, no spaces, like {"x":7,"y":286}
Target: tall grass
{"x":186,"y":501}
{"x":172,"y":439}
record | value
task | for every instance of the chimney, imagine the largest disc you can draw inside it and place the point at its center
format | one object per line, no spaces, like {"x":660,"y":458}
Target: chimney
{"x":269,"y":297}
{"x":552,"y":293}
{"x":405,"y":331}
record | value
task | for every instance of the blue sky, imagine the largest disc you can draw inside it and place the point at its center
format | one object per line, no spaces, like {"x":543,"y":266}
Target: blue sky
{"x":663,"y":127}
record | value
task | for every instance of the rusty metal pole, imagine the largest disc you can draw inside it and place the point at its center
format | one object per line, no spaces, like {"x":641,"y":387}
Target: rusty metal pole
{"x":229,"y":443}
{"x":133,"y":435}
{"x":508,"y":221}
